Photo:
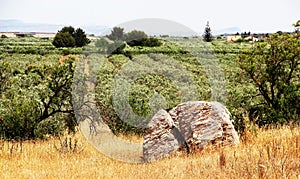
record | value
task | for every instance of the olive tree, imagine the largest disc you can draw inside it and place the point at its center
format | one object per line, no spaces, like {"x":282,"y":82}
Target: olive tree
{"x":38,"y":102}
{"x":274,"y":68}
{"x":117,"y":33}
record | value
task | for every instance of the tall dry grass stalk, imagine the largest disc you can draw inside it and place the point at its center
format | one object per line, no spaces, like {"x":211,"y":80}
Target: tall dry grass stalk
{"x":271,"y":153}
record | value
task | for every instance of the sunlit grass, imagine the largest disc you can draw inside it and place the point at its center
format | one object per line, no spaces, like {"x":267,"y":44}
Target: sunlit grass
{"x":272,"y":153}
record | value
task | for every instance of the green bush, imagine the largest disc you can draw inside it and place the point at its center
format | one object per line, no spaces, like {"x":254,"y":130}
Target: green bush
{"x":116,"y":34}
{"x":135,"y":35}
{"x":36,"y":96}
{"x":69,"y":37}
{"x":66,"y":51}
{"x":51,"y":126}
{"x":145,"y":42}
{"x":116,"y":47}
{"x":145,"y":89}
{"x":102,"y":44}
{"x":80,"y":38}
{"x":273,"y":68}
{"x":64,"y":39}
{"x":19,"y":118}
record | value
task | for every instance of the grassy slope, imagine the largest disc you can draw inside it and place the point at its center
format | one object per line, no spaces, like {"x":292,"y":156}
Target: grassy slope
{"x":272,"y":153}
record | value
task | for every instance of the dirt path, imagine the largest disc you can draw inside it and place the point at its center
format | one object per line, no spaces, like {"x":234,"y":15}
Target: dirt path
{"x":99,"y":134}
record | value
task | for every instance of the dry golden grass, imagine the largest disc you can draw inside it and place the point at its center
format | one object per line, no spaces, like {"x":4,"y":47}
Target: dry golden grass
{"x":272,"y":153}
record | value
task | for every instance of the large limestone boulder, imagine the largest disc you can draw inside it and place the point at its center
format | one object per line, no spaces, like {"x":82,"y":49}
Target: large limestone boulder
{"x":159,"y":140}
{"x":202,"y":123}
{"x":190,"y":126}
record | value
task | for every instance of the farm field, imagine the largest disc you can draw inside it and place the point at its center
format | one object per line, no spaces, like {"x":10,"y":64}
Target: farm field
{"x":36,"y":98}
{"x":268,"y":153}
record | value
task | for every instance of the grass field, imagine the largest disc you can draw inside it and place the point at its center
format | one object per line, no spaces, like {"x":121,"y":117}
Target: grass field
{"x":268,"y":153}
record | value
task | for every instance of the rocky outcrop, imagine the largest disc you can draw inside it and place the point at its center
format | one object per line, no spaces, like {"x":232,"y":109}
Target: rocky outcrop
{"x":190,"y":126}
{"x":202,"y":123}
{"x":159,"y":140}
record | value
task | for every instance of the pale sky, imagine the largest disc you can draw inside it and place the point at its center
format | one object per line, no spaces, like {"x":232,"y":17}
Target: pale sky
{"x":251,"y":15}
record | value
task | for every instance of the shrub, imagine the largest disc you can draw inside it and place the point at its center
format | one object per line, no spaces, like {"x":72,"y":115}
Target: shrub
{"x":146,"y":42}
{"x":36,"y":99}
{"x":116,"y":47}
{"x":117,"y":33}
{"x":49,"y":126}
{"x":64,"y":39}
{"x":152,"y":42}
{"x":69,"y":37}
{"x":3,"y":36}
{"x":240,"y":40}
{"x":80,"y":38}
{"x":66,"y":51}
{"x":5,"y":75}
{"x":19,"y":118}
{"x":135,"y":35}
{"x":102,"y":44}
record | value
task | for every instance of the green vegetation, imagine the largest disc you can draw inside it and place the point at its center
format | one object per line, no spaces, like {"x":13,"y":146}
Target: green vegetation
{"x":35,"y":89}
{"x":135,"y":35}
{"x":102,"y":44}
{"x":262,"y":80}
{"x":117,"y":33}
{"x":297,"y":26}
{"x":274,"y":69}
{"x":3,"y":36}
{"x":207,"y":36}
{"x":145,"y":42}
{"x":34,"y":46}
{"x":132,"y":38}
{"x":64,"y":39}
{"x":69,"y":37}
{"x":35,"y":97}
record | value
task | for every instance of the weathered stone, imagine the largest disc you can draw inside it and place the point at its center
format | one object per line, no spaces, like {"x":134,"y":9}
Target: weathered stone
{"x":159,"y":140}
{"x":202,"y":123}
{"x":190,"y":126}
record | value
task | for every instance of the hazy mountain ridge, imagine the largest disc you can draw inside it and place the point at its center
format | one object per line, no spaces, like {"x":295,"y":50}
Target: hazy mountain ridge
{"x":225,"y":31}
{"x":13,"y":25}
{"x":20,"y":26}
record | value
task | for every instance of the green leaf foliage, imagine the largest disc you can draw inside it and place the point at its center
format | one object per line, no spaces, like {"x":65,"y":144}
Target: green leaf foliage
{"x":64,"y":39}
{"x":69,"y":37}
{"x":274,"y":68}
{"x":37,"y":94}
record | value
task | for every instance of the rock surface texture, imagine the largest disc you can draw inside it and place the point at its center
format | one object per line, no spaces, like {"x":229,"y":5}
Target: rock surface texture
{"x":190,"y":126}
{"x":159,"y":140}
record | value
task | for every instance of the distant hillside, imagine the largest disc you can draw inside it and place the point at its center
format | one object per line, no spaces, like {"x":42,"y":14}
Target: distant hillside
{"x":230,"y":30}
{"x":20,"y":26}
{"x":150,"y":26}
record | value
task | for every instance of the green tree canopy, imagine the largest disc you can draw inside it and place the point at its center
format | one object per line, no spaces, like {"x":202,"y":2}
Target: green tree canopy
{"x":135,"y":35}
{"x":207,"y":33}
{"x":274,"y":68}
{"x":68,"y":29}
{"x":80,"y":38}
{"x":69,"y":37}
{"x":117,"y":33}
{"x":102,"y":44}
{"x":64,"y":39}
{"x":38,"y":101}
